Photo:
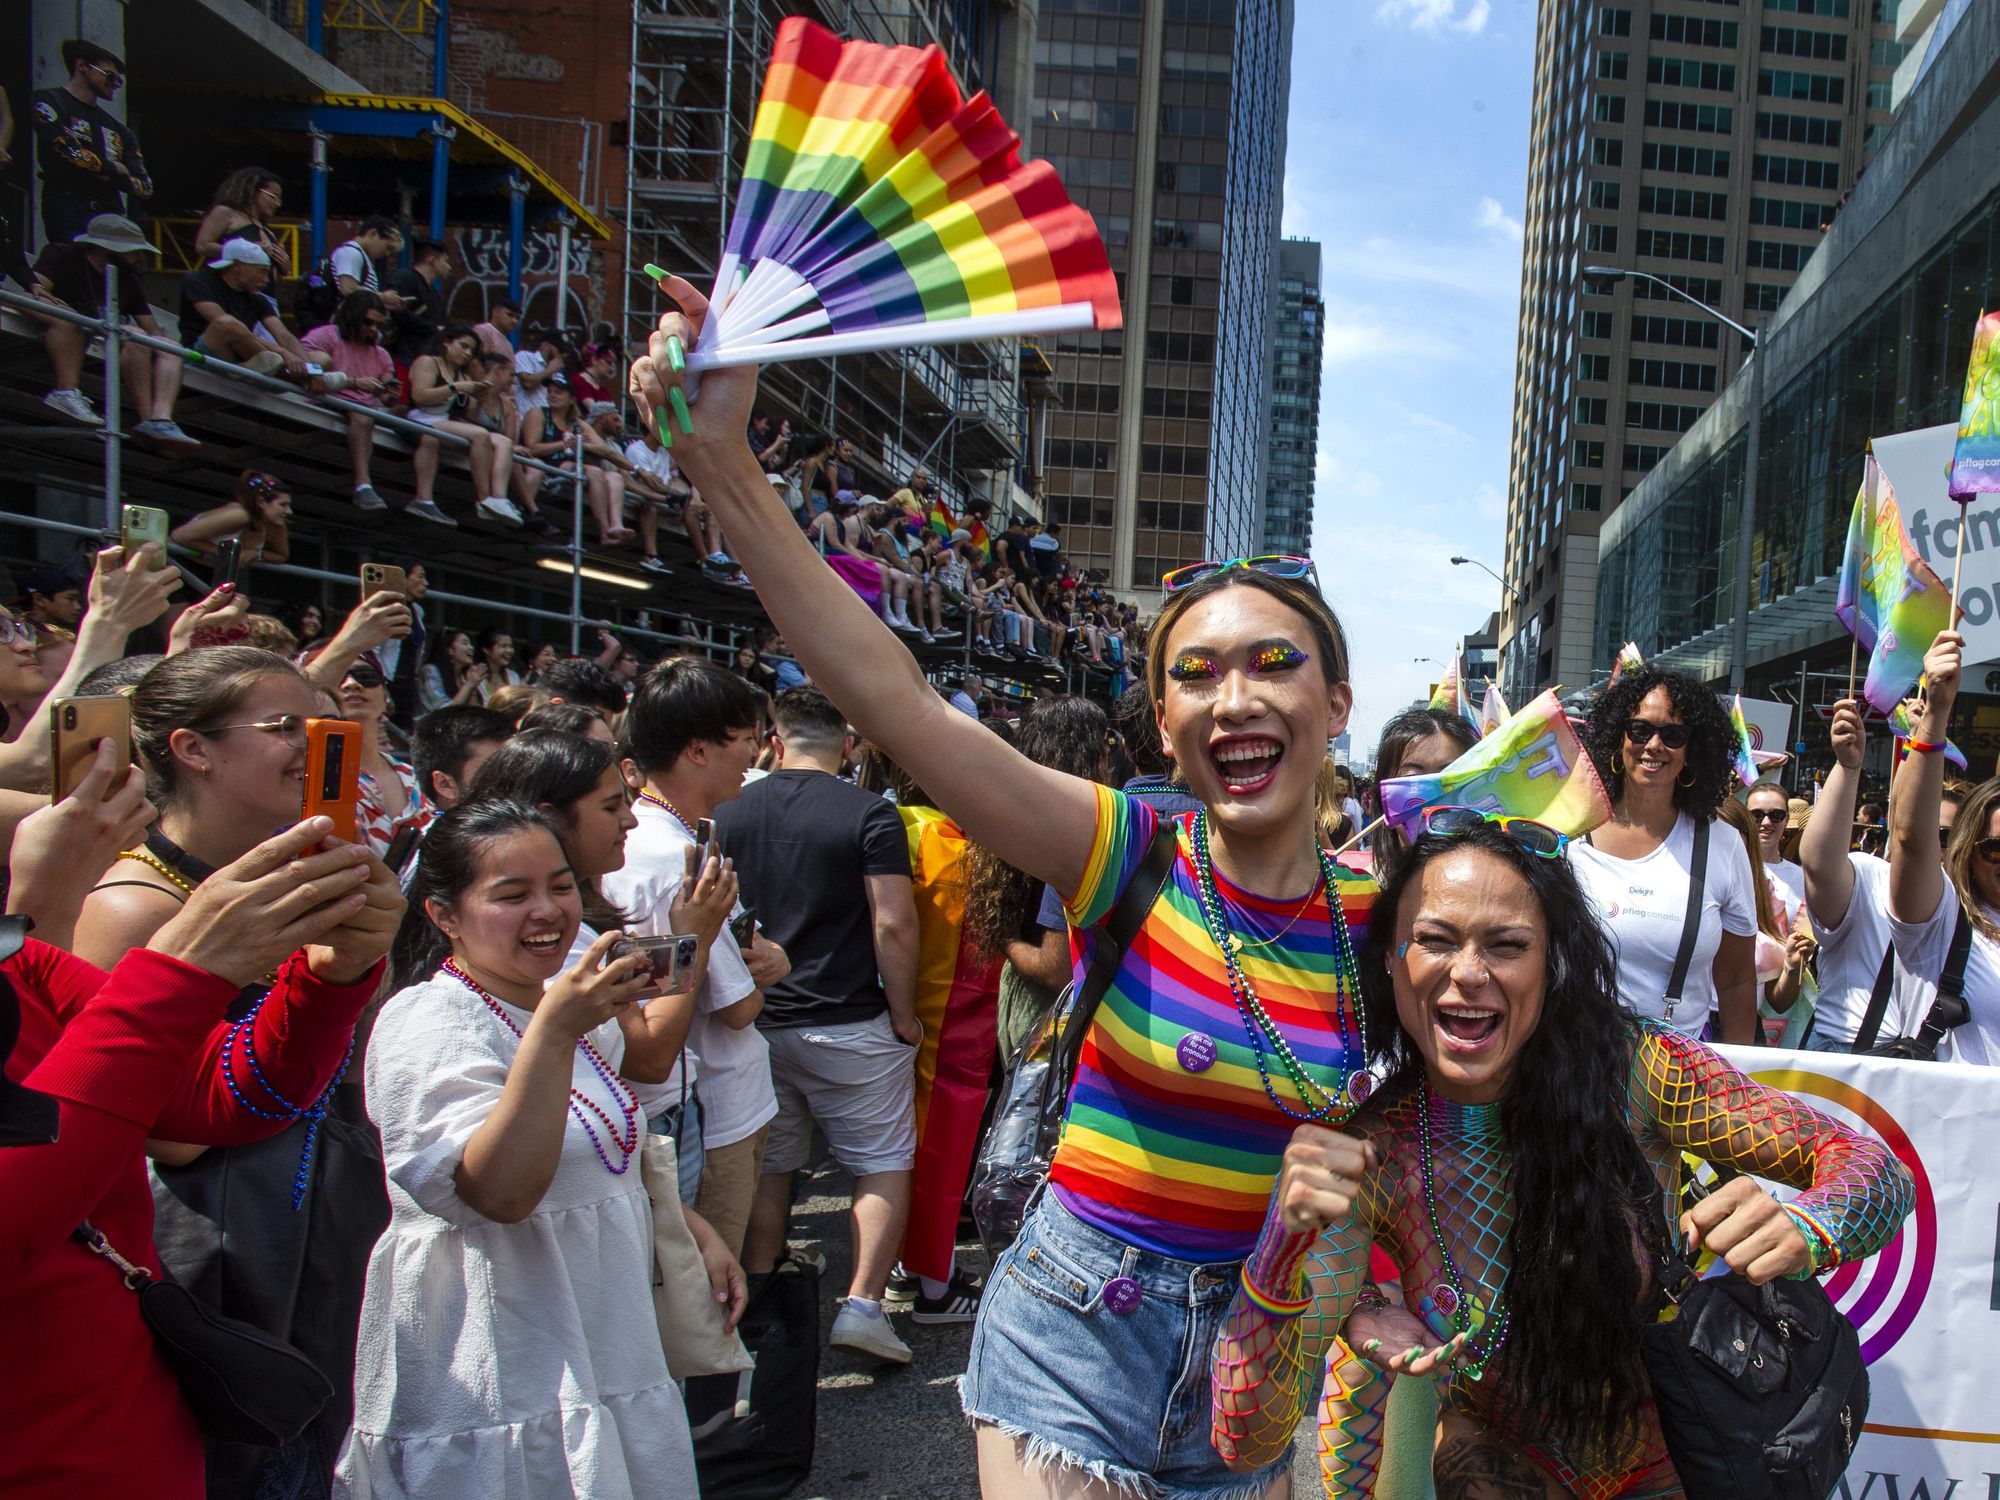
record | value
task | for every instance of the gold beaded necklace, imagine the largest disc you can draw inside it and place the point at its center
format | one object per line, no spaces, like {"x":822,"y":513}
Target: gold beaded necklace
{"x":153,"y":861}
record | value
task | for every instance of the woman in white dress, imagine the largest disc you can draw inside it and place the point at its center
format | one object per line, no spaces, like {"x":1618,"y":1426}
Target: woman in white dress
{"x":508,"y":1344}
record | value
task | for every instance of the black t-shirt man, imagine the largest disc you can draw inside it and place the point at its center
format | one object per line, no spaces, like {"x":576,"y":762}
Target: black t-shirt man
{"x":207,"y":285}
{"x":75,"y":144}
{"x":1019,"y":558}
{"x":417,"y":321}
{"x":804,"y":843}
{"x":79,"y":281}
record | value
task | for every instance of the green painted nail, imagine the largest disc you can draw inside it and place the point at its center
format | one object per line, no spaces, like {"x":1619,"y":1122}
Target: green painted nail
{"x":676,"y":356}
{"x":666,"y":431}
{"x":655,"y":272}
{"x":681,"y":410}
{"x":1371,"y":1346}
{"x":1415,"y":1351}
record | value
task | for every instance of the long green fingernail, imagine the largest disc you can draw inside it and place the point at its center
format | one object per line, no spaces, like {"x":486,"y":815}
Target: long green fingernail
{"x":1415,"y":1351}
{"x":676,"y":356}
{"x":1371,"y":1346}
{"x":655,"y":272}
{"x":666,"y":430}
{"x":681,"y":410}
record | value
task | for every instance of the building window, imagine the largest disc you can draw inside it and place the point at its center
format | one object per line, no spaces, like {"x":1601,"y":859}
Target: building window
{"x":1614,"y":21}
{"x":1799,"y":130}
{"x":1599,"y":325}
{"x":1608,"y":109}
{"x":1774,"y":255}
{"x":1593,"y":367}
{"x":1660,"y":416}
{"x":1681,"y":333}
{"x":1604,"y":195}
{"x":1798,"y":41}
{"x":1588,"y":454}
{"x":1816,"y":88}
{"x":1672,"y":114}
{"x":1608,"y":151}
{"x":1601,"y":239}
{"x":1613,"y":65}
{"x":1591,"y":411}
{"x":1685,"y":203}
{"x":1809,"y":7}
{"x":1671,"y":374}
{"x":1789,"y":213}
{"x":1675,"y":245}
{"x":1694,"y":31}
{"x":1640,"y":458}
{"x":1689,"y":161}
{"x":1879,"y":95}
{"x":1796,"y":171}
{"x":1691,"y":73}
{"x":1586,"y":497}
{"x":1762,"y":296}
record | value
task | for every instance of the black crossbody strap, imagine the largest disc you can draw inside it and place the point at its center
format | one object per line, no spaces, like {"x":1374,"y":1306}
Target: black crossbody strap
{"x":1691,"y":924}
{"x":1949,"y":1009}
{"x":1120,"y":928}
{"x":1878,"y":1002}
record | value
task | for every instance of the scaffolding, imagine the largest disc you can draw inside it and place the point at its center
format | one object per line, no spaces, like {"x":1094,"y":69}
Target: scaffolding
{"x":697,"y":66}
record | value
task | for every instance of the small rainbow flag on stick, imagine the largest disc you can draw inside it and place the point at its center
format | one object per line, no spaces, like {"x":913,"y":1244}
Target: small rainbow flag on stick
{"x":1746,"y":750}
{"x":879,"y":209}
{"x":1494,"y":711}
{"x":1532,"y":767}
{"x":1449,"y":694}
{"x":1889,"y":598}
{"x":1975,"y":459}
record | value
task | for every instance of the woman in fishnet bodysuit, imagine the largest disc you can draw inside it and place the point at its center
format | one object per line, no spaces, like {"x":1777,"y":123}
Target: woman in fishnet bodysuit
{"x":1527,"y":1127}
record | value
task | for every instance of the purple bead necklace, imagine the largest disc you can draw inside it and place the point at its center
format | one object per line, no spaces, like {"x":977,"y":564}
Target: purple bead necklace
{"x":625,"y":1140}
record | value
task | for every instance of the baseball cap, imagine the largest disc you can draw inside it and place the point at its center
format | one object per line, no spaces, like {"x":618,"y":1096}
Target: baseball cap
{"x":961,"y":535}
{"x":239,"y":253}
{"x":846,"y":500}
{"x":119,"y":235}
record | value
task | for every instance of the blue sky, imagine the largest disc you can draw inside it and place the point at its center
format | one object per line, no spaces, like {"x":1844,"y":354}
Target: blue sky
{"x":1407,"y":160}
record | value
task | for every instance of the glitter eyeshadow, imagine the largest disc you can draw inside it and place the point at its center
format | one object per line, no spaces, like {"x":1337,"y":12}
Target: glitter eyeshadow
{"x":1277,"y":659}
{"x":1190,"y":664}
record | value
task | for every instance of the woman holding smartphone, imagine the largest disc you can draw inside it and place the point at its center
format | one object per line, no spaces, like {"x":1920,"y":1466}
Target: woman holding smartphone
{"x":444,"y":385}
{"x":511,"y":1350}
{"x":1231,"y":1018}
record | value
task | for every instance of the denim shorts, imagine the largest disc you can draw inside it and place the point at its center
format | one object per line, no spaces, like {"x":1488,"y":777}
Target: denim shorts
{"x":1122,"y":1396}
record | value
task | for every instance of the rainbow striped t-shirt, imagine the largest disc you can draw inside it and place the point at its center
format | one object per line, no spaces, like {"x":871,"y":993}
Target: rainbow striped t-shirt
{"x":1180,"y":1160}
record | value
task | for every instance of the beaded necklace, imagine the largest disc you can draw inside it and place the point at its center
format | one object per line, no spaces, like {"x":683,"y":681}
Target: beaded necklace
{"x":625,"y":1140}
{"x":1321,"y":1107}
{"x":153,"y":861}
{"x":1461,"y":1311}
{"x":647,"y":794}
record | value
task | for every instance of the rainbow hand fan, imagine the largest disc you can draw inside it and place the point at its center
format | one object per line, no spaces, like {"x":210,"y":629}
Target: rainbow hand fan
{"x":902,"y":210}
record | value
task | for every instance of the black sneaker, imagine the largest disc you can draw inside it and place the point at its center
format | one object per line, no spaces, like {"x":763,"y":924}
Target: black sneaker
{"x":541,"y":525}
{"x":959,"y":1304}
{"x":903,"y":1288}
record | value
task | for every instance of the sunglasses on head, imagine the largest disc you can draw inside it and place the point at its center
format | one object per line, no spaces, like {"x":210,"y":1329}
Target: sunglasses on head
{"x":1275,"y":564}
{"x":1536,"y":838}
{"x":1640,"y":732}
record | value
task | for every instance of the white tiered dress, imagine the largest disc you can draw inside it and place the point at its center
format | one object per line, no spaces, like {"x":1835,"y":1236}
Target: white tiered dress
{"x":503,"y":1361}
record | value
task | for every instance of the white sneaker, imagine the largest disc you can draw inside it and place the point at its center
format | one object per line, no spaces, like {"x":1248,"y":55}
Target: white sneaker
{"x":74,"y":405}
{"x":270,"y":362}
{"x":871,"y":1336}
{"x":500,"y":508}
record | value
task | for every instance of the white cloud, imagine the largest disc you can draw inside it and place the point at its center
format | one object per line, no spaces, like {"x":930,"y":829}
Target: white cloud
{"x":1438,"y":15}
{"x":1493,"y":216}
{"x":1364,"y":334}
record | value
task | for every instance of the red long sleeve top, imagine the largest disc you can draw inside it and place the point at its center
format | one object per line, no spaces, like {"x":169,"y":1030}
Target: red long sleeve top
{"x":91,"y":1407}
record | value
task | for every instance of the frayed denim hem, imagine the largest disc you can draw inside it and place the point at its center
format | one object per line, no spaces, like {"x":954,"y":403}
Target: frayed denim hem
{"x":1038,"y":1453}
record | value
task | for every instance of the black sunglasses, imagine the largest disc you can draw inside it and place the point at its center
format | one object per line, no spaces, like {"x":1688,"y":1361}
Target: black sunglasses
{"x":1765,"y":815}
{"x":1640,"y":732}
{"x":366,"y":677}
{"x":1986,"y":849}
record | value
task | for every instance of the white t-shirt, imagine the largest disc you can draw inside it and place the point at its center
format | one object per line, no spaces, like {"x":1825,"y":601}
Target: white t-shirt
{"x":647,"y":459}
{"x":1924,"y":946}
{"x":530,"y":362}
{"x":733,"y":1063}
{"x":1643,"y":905}
{"x":350,"y":259}
{"x":1850,"y":956}
{"x":1788,"y":889}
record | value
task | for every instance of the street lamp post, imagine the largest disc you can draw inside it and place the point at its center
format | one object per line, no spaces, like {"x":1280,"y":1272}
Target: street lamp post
{"x":1739,"y":642}
{"x":1520,"y":602}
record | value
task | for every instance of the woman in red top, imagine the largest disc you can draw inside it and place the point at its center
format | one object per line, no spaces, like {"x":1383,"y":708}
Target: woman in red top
{"x":94,"y":1409}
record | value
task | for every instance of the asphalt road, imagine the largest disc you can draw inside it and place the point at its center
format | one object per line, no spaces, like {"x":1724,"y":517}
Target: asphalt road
{"x":890,"y":1433}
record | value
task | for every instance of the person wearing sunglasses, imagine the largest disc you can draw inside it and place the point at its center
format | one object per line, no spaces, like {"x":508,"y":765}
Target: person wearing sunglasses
{"x":1666,"y":752}
{"x":1229,"y":1018}
{"x":390,"y":799}
{"x":1417,"y":742}
{"x":1928,"y":902}
{"x":88,"y":159}
{"x":1557,"y":1124}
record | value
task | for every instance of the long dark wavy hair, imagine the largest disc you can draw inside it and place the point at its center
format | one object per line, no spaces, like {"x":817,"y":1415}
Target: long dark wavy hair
{"x":1711,"y":746}
{"x":1580,"y":1186}
{"x":552,"y":769}
{"x":446,"y":868}
{"x":1066,"y":734}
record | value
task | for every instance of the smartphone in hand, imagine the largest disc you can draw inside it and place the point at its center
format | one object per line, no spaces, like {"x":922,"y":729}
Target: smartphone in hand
{"x":76,"y":725}
{"x":379,"y":577}
{"x":228,"y":555}
{"x":743,"y":926}
{"x":140,"y":524}
{"x":704,"y":838}
{"x":333,"y":774}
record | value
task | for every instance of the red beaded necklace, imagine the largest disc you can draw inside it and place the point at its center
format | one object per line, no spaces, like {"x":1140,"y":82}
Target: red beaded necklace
{"x":625,"y":1141}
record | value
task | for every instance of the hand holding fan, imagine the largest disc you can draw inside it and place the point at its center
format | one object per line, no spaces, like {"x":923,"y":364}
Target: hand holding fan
{"x":880,"y":210}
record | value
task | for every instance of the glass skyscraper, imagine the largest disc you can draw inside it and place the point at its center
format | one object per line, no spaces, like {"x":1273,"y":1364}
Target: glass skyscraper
{"x":1297,"y":344}
{"x":1166,"y":119}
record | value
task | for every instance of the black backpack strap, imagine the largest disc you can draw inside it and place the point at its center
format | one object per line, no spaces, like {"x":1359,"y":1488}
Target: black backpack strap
{"x":1949,"y":1009}
{"x":1120,"y":928}
{"x":1691,"y":924}
{"x":1878,"y":1002}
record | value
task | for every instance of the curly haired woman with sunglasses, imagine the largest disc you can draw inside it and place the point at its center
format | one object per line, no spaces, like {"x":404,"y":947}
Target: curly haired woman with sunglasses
{"x":1667,"y":753}
{"x":1229,"y":1019}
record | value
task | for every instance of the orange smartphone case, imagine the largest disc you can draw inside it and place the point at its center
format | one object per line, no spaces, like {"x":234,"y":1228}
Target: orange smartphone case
{"x":333,"y":773}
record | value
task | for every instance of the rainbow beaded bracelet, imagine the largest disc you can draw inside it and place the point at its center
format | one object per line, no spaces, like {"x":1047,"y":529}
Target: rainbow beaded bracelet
{"x":1267,"y":1302}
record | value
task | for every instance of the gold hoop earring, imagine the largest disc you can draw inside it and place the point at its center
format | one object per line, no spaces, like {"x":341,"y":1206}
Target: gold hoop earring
{"x":1687,"y":780}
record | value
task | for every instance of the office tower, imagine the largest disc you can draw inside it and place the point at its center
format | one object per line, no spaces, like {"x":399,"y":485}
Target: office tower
{"x":1166,"y":119}
{"x":1710,"y":146}
{"x":1297,"y":343}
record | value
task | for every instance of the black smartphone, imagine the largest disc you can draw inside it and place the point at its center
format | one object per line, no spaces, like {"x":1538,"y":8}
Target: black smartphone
{"x":704,"y":836}
{"x":743,"y":926}
{"x":227,"y":553}
{"x":401,"y":847}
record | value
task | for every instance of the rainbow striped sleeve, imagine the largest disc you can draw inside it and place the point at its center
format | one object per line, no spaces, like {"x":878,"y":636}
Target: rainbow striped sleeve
{"x":1124,"y":828}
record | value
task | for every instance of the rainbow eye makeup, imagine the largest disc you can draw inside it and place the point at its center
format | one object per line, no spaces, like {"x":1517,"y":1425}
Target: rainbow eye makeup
{"x":1191,"y":666}
{"x":1277,"y":659}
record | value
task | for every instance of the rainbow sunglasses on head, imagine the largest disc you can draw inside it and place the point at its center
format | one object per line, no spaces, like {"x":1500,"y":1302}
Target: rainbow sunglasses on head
{"x":1536,"y":838}
{"x":1276,"y":564}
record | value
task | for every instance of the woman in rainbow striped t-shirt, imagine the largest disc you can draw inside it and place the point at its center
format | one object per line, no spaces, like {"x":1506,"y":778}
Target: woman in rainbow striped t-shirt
{"x":1233,"y":1016}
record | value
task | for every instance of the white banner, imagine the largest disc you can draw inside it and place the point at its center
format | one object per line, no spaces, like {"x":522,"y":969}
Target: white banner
{"x":1928,"y":1305}
{"x":1770,"y":725}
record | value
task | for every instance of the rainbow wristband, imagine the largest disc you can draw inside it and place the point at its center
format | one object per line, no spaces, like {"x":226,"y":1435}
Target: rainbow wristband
{"x":1820,"y":1243}
{"x":1269,"y":1304}
{"x":1915,"y":746}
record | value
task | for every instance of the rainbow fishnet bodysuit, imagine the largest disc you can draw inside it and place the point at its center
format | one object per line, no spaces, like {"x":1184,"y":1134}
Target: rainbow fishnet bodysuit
{"x":1681,"y":1097}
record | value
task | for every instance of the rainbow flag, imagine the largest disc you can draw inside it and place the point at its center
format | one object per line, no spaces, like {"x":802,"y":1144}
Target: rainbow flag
{"x":941,"y":519}
{"x":1531,"y":767}
{"x":1746,"y":751}
{"x":958,"y":1000}
{"x":1889,"y":598}
{"x":1494,"y":711}
{"x":873,"y":189}
{"x":1975,"y":460}
{"x":1449,"y":694}
{"x":1902,"y":725}
{"x":1628,"y":660}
